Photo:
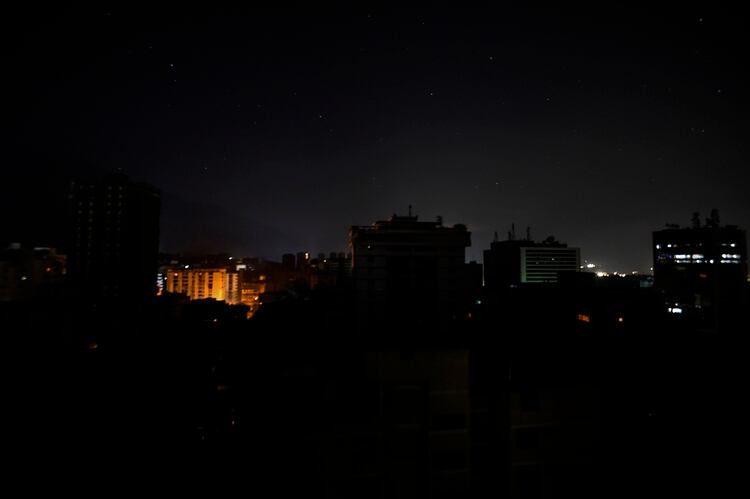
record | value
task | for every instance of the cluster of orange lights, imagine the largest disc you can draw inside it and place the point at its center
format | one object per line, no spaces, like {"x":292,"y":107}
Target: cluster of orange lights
{"x":587,"y":318}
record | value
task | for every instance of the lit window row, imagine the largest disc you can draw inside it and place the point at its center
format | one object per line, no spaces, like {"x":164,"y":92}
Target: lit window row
{"x":686,"y":245}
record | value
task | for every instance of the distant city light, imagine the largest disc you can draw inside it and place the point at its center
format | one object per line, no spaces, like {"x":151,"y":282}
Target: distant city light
{"x":675,"y":310}
{"x":584,"y":318}
{"x":590,"y":265}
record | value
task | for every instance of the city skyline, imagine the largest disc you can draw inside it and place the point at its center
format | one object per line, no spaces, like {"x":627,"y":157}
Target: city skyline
{"x":271,"y":131}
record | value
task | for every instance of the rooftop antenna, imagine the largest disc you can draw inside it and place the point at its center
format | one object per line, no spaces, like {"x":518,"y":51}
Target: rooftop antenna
{"x":409,"y":210}
{"x":495,"y":240}
{"x":696,"y":220}
{"x":715,"y":217}
{"x":513,"y":231}
{"x":528,"y":233}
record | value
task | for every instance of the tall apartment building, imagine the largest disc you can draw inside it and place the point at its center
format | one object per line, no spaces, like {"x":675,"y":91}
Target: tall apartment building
{"x":113,"y":238}
{"x":202,"y":283}
{"x":408,"y":268}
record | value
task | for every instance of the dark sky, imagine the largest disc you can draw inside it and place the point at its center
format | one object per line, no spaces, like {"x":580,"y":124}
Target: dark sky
{"x":273,"y":131}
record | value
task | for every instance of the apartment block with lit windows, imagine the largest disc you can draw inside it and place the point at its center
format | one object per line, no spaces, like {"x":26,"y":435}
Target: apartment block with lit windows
{"x":701,"y":272}
{"x":200,"y":283}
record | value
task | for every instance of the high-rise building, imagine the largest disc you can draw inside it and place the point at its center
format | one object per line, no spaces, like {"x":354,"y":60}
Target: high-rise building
{"x":405,"y":427}
{"x":514,"y":262}
{"x":303,"y":259}
{"x":113,"y":238}
{"x":701,"y":271}
{"x":201,"y":283}
{"x":287,"y":261}
{"x":408,"y":268}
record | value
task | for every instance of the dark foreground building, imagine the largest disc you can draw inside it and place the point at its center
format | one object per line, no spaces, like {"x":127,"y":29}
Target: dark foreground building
{"x":113,"y":239}
{"x":405,"y":268}
{"x":700,"y":272}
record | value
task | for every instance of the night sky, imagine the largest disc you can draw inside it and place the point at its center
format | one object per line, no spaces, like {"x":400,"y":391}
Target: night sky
{"x":272,"y":132}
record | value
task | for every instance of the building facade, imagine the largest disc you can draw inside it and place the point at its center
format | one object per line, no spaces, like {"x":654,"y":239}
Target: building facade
{"x":113,"y":238}
{"x":408,"y":268}
{"x":701,"y":271}
{"x":515,"y":262}
{"x":199,"y":283}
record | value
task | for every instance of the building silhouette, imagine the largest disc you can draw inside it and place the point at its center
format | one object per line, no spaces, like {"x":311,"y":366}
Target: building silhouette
{"x":113,"y":238}
{"x":404,"y":426}
{"x":407,"y":268}
{"x":288,"y":261}
{"x":700,"y":271}
{"x":303,"y":259}
{"x":517,"y":262}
